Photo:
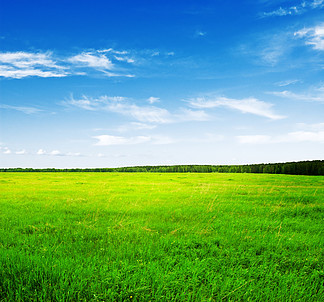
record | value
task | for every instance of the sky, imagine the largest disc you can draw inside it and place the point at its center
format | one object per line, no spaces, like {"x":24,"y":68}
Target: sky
{"x":127,"y":83}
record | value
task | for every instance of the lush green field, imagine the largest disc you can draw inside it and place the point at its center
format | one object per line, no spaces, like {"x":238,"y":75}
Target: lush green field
{"x":161,"y":237}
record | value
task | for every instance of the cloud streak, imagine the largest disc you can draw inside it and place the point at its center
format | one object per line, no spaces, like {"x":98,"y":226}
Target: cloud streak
{"x":313,"y":36}
{"x":298,"y":9}
{"x":110,"y":140}
{"x":143,"y":114}
{"x":91,"y":60}
{"x":57,"y":153}
{"x":26,"y":110}
{"x":20,"y":64}
{"x":291,"y":137}
{"x":248,"y":105}
{"x":316,"y":96}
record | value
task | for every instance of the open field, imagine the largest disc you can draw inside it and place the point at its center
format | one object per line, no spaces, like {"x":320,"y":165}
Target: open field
{"x":161,"y":237}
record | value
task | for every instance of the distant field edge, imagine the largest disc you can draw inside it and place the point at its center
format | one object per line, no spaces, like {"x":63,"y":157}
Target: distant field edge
{"x":312,"y":167}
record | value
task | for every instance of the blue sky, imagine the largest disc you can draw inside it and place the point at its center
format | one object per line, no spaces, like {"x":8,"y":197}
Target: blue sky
{"x":121,"y":83}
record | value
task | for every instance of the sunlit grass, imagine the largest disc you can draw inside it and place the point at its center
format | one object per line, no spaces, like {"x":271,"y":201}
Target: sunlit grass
{"x":161,"y":237}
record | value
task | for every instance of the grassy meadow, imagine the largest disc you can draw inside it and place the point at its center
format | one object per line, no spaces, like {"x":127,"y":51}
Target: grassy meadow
{"x":161,"y":237}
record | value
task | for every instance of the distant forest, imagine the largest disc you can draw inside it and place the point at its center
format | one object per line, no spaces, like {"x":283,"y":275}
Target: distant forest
{"x":315,"y":167}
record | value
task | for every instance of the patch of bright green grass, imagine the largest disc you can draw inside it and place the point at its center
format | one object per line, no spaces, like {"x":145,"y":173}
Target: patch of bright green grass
{"x":161,"y":237}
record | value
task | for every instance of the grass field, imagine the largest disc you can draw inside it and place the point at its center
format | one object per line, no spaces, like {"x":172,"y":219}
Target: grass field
{"x":161,"y":237}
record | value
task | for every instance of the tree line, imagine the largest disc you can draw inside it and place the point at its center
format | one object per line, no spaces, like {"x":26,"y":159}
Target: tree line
{"x":315,"y":167}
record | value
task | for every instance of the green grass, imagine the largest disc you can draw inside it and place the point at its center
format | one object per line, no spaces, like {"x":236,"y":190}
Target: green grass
{"x":161,"y":237}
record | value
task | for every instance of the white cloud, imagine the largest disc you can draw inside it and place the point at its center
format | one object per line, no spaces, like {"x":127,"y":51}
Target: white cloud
{"x":6,"y":150}
{"x":57,"y":153}
{"x":108,"y":62}
{"x":111,"y":50}
{"x":317,"y":95}
{"x":293,"y":10}
{"x":287,"y":83}
{"x":200,"y":33}
{"x":291,"y":137}
{"x":312,"y":127}
{"x":41,"y":152}
{"x":20,"y":64}
{"x":109,"y":140}
{"x":135,"y":126}
{"x":24,"y":59}
{"x":316,"y":3}
{"x":143,"y":114}
{"x":9,"y":72}
{"x":21,"y":152}
{"x":254,"y":139}
{"x":99,"y":103}
{"x":206,"y":138}
{"x":124,"y":59}
{"x":248,"y":105}
{"x":191,"y":115}
{"x":274,"y":48}
{"x":163,"y":140}
{"x":153,"y":100}
{"x":304,"y":136}
{"x":269,"y":49}
{"x":150,"y":114}
{"x":313,"y":36}
{"x":92,"y":60}
{"x":121,"y":105}
{"x":27,"y":110}
{"x":74,"y":154}
{"x":298,"y":9}
{"x":141,"y":126}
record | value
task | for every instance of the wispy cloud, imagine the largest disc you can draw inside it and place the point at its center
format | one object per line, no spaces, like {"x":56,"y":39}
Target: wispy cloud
{"x":124,"y":106}
{"x":21,"y":152}
{"x":25,"y":60}
{"x":306,"y":133}
{"x":124,"y":59}
{"x":313,"y":36}
{"x":200,"y":33}
{"x":89,"y":103}
{"x":185,"y":114}
{"x":100,"y":61}
{"x":254,"y":139}
{"x":291,"y":137}
{"x":143,"y":114}
{"x":248,"y":105}
{"x":114,"y":51}
{"x":287,"y":83}
{"x":298,"y":9}
{"x":311,"y":127}
{"x":149,"y":114}
{"x":91,"y":60}
{"x":109,"y":140}
{"x":57,"y":153}
{"x":153,"y":100}
{"x":135,"y":126}
{"x":5,"y":150}
{"x":20,"y":64}
{"x":26,"y":110}
{"x":316,"y":95}
{"x":269,"y":48}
